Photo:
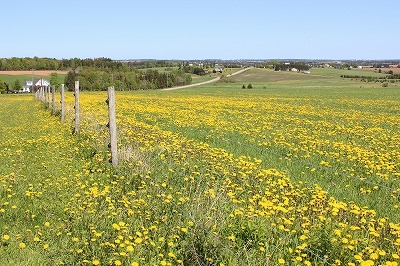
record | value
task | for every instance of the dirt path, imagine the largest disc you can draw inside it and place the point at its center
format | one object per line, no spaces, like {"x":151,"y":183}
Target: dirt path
{"x":205,"y":82}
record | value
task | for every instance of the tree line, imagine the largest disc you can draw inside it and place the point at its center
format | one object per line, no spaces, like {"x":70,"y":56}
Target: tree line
{"x":392,"y":77}
{"x":27,"y":63}
{"x":96,"y":79}
{"x":298,"y":65}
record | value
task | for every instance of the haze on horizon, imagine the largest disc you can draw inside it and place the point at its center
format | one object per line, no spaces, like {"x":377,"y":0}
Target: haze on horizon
{"x":254,"y":29}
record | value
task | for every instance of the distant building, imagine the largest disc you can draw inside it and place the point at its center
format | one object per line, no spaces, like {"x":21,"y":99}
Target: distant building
{"x":27,"y":87}
{"x":42,"y":83}
{"x":32,"y":86}
{"x":217,"y":69}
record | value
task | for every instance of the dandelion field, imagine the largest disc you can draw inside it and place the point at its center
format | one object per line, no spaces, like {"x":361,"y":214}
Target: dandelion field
{"x":301,"y":170}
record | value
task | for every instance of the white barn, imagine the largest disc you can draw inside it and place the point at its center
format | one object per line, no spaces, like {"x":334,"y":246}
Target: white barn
{"x":42,"y":83}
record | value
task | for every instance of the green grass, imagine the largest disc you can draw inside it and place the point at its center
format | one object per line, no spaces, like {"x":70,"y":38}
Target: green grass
{"x":10,"y":79}
{"x":194,"y":172}
{"x":326,"y":90}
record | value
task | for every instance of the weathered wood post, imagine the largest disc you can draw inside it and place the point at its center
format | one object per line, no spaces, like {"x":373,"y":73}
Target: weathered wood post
{"x":53,"y":99}
{"x":42,"y":95}
{"x":112,"y":126}
{"x":48,"y":96}
{"x":62,"y":103}
{"x":76,"y":94}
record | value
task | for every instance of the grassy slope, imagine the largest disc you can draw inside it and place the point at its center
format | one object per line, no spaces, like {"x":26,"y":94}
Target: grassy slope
{"x":10,"y":79}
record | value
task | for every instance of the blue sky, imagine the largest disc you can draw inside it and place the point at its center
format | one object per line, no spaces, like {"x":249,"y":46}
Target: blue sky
{"x":220,"y":29}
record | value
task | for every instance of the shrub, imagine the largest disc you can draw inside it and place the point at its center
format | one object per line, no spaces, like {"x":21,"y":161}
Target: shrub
{"x":250,"y":86}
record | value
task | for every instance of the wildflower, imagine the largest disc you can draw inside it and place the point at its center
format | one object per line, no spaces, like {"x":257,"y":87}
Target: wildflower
{"x":367,"y":263}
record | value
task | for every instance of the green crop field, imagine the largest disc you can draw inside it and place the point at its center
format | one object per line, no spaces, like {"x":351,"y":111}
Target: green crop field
{"x":302,"y":169}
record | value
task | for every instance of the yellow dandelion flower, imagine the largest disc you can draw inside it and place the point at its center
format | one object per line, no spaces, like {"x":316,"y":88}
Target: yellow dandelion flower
{"x":22,"y":245}
{"x":374,"y":256}
{"x":116,"y":227}
{"x":281,"y":261}
{"x":367,"y":263}
{"x":6,"y":237}
{"x":96,"y":262}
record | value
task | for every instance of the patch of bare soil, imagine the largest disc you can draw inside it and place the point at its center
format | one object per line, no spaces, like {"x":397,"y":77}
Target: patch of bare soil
{"x":29,"y":72}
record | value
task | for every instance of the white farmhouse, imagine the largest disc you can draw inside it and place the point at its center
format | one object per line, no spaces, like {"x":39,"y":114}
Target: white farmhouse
{"x":27,"y":86}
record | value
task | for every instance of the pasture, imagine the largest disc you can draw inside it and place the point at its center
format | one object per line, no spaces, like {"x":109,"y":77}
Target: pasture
{"x":10,"y":76}
{"x":303,"y":169}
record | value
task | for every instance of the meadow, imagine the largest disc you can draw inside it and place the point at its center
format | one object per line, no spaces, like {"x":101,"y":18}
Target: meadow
{"x":10,"y":78}
{"x":303,"y":169}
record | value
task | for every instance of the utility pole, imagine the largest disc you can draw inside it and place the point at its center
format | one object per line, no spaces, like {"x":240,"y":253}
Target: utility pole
{"x":32,"y":78}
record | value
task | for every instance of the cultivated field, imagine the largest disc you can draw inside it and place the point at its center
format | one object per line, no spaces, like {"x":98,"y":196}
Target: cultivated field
{"x":303,"y":169}
{"x":29,"y":72}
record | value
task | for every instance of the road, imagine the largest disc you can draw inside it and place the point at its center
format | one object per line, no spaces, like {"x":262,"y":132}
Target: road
{"x":206,"y":82}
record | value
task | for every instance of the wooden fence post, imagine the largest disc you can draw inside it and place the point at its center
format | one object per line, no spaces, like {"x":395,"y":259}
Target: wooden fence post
{"x":112,"y":125}
{"x":53,"y":99}
{"x":76,"y":94}
{"x":42,"y":95}
{"x":48,"y":96}
{"x":62,"y":103}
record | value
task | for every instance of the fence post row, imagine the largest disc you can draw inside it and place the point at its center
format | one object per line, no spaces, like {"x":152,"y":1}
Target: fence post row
{"x":112,"y":126}
{"x":76,"y":94}
{"x":62,"y":103}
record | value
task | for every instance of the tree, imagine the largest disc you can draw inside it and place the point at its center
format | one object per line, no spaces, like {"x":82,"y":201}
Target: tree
{"x":70,"y":80}
{"x":17,"y":85}
{"x":2,"y":87}
{"x":54,"y":80}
